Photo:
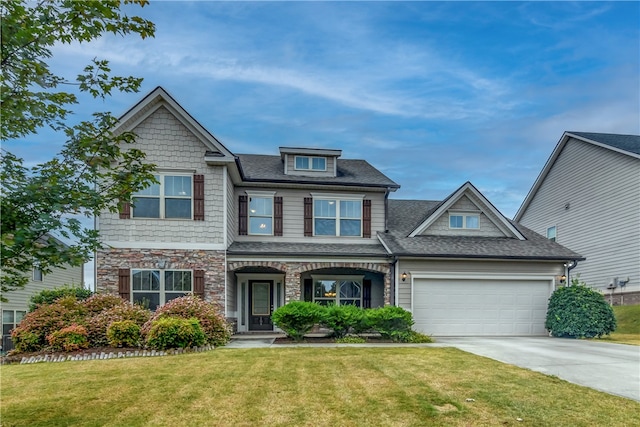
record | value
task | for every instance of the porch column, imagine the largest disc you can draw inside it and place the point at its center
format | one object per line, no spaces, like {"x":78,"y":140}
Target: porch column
{"x":387,"y":288}
{"x":292,"y":285}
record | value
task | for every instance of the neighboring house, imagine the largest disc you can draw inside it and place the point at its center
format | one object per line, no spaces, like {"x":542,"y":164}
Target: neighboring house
{"x":587,"y":197}
{"x":18,"y":300}
{"x":252,"y":232}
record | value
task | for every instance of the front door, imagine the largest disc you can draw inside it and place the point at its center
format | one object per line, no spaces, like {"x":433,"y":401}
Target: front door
{"x":260,"y":305}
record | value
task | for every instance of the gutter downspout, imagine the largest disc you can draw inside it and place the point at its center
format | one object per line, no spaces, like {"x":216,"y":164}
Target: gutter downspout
{"x":225,"y":231}
{"x":568,"y":267}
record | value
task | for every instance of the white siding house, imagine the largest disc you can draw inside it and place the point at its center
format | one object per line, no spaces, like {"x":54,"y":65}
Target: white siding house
{"x":587,"y":197}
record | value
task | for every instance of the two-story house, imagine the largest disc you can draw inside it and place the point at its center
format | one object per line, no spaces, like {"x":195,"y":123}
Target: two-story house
{"x":587,"y":197}
{"x":253,"y":232}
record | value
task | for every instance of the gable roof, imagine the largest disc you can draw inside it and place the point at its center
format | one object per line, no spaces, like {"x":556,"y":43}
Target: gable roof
{"x":405,"y":215}
{"x":350,"y":172}
{"x":628,"y":145}
{"x":158,"y":98}
{"x":467,"y":187}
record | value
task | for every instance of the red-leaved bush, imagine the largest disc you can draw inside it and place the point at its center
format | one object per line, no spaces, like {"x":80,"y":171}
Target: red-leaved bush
{"x":71,"y":338}
{"x":98,"y":324}
{"x":214,"y":325}
{"x":31,"y":334}
{"x":98,"y":303}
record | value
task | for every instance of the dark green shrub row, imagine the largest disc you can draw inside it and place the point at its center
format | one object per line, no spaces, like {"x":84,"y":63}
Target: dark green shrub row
{"x":49,"y":296}
{"x":298,"y":317}
{"x":110,"y":320}
{"x":578,"y":311}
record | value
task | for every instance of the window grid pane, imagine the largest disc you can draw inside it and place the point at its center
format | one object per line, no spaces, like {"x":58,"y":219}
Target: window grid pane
{"x":177,"y":186}
{"x":318,"y":163}
{"x":177,"y":208}
{"x":302,"y":162}
{"x":473,"y":221}
{"x":455,"y":221}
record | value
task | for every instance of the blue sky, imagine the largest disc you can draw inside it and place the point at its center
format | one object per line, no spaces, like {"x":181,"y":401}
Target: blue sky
{"x":433,"y":94}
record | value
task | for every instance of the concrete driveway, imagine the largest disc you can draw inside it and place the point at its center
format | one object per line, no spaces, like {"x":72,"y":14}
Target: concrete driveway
{"x":612,"y":368}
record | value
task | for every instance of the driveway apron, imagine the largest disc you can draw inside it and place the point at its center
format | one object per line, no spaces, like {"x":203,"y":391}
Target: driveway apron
{"x":611,"y":368}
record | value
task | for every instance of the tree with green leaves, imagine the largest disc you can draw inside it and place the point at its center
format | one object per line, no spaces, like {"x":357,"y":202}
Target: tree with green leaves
{"x":96,"y":169}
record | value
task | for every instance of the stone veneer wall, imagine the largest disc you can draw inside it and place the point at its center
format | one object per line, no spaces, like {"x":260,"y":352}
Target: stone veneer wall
{"x":624,"y":298}
{"x":293,"y":271}
{"x":109,"y":261}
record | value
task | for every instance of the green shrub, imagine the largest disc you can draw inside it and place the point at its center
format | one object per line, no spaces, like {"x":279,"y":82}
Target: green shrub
{"x":100,"y":302}
{"x":175,"y":332}
{"x":31,"y":334}
{"x":71,"y":338}
{"x":98,"y":324}
{"x":217,"y":330}
{"x":579,"y":312}
{"x":418,"y":338}
{"x":391,"y":322}
{"x":364,"y":324}
{"x":297,"y":318}
{"x":342,"y":318}
{"x":124,"y":333}
{"x":351,"y":340}
{"x":49,"y":296}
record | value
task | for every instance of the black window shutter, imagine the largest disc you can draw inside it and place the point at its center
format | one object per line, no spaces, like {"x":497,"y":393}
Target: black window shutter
{"x":308,"y":216}
{"x":366,"y":293}
{"x":198,"y":197}
{"x":198,"y":283}
{"x":277,"y":216}
{"x":308,"y":290}
{"x":366,"y":218}
{"x":124,"y":283}
{"x":125,"y":210}
{"x":242,"y":215}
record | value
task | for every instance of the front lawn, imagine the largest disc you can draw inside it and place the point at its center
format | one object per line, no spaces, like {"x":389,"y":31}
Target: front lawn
{"x":302,"y":386}
{"x":628,"y":329}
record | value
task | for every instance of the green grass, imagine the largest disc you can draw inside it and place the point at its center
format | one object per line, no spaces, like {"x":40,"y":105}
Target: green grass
{"x":628,"y":329}
{"x":302,"y":387}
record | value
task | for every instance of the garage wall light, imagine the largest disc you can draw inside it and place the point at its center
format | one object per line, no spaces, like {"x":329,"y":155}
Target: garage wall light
{"x":404,"y":276}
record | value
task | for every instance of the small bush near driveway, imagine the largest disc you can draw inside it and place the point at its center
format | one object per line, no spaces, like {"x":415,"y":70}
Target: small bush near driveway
{"x":577,"y":311}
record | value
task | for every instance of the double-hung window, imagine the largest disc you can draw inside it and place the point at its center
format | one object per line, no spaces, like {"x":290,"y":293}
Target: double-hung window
{"x":334,"y":217}
{"x":11,"y":319}
{"x":310,"y":163}
{"x":261,"y":215}
{"x":37,"y":274}
{"x":170,"y":198}
{"x":468,"y":221}
{"x":153,"y":288}
{"x":338,"y":290}
{"x":552,"y":233}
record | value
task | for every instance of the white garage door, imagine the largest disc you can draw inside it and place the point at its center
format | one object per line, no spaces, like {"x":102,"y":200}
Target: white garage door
{"x":466,"y":307}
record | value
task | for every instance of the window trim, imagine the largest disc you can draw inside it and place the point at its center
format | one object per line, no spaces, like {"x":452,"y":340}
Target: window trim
{"x":310,"y":168}
{"x":262,"y":195}
{"x":15,"y":322}
{"x":337,"y":199}
{"x":555,"y":233}
{"x":464,"y":216}
{"x":162,"y":291}
{"x":162,"y":197}
{"x":339,"y":278}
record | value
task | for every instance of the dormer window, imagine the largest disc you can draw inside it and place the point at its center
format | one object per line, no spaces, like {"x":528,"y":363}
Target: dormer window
{"x":307,"y":163}
{"x":460,"y":221}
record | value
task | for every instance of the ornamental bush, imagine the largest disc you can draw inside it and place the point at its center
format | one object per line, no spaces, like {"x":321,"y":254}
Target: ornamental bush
{"x":577,"y":311}
{"x":98,"y":324}
{"x":100,"y":302}
{"x":297,"y":318}
{"x":71,"y":338}
{"x":216,"y":329}
{"x":175,"y":332}
{"x":31,"y":334}
{"x":342,"y":318}
{"x":49,"y":296}
{"x":124,"y":333}
{"x":391,"y":322}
